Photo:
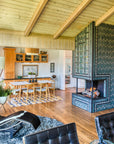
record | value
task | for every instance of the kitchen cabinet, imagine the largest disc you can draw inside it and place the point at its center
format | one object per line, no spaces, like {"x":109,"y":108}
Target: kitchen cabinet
{"x":9,"y":54}
{"x":28,"y":58}
{"x":20,"y":57}
{"x":39,"y":58}
{"x":44,"y":58}
{"x":36,"y":58}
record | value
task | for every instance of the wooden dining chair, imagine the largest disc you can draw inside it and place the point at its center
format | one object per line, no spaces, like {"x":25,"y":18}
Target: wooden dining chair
{"x":29,"y":92}
{"x":36,"y":86}
{"x":52,"y":88}
{"x":15,"y":92}
{"x":42,"y":91}
{"x":15,"y":89}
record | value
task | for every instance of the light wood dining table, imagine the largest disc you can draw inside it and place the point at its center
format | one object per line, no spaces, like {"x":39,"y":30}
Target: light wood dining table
{"x":24,"y":83}
{"x":19,"y":86}
{"x":20,"y":83}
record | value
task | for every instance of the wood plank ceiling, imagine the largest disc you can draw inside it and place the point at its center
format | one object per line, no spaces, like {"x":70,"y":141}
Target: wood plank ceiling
{"x":15,"y":15}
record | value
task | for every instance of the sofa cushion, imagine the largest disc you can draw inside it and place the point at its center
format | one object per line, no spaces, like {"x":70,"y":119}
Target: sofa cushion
{"x":105,"y":126}
{"x":65,"y":134}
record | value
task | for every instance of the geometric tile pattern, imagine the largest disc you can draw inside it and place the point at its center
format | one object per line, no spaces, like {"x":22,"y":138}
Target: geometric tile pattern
{"x":105,"y":61}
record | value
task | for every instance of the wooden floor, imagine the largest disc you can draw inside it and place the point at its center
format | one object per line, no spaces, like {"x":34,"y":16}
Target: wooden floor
{"x":65,"y":112}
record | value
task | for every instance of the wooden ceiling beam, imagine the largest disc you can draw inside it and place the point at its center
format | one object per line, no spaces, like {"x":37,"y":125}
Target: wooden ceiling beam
{"x":72,"y":17}
{"x":35,"y":16}
{"x":105,"y":16}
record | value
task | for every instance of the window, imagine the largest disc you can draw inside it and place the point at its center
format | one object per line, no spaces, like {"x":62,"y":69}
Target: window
{"x":52,"y":67}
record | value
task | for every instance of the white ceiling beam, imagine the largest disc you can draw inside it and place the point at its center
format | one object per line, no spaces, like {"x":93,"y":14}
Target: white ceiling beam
{"x":109,"y":13}
{"x":35,"y":16}
{"x":72,"y":17}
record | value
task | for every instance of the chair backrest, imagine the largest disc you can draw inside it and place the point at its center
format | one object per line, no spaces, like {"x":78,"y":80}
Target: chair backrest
{"x":65,"y":134}
{"x":44,"y":85}
{"x":29,"y":86}
{"x":105,"y":126}
{"x":53,"y":84}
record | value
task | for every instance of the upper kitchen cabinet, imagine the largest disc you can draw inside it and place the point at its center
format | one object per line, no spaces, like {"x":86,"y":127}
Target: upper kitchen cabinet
{"x":9,"y":54}
{"x":20,"y":57}
{"x":28,"y":58}
{"x":44,"y":58}
{"x":31,"y":55}
{"x":39,"y":58}
{"x":36,"y":58}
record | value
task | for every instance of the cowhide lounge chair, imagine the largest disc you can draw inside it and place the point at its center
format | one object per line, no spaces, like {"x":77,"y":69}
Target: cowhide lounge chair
{"x":9,"y":123}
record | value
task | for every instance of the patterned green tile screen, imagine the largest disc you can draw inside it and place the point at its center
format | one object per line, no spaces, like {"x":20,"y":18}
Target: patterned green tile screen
{"x":82,"y":53}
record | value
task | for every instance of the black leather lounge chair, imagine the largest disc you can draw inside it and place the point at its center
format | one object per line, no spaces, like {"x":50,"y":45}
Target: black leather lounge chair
{"x":16,"y":119}
{"x":65,"y":134}
{"x":105,"y":127}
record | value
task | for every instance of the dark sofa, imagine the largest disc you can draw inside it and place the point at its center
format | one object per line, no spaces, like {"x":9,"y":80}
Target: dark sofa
{"x":105,"y":127}
{"x":65,"y":134}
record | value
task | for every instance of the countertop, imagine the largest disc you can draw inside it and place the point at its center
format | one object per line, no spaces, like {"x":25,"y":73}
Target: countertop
{"x":27,"y":78}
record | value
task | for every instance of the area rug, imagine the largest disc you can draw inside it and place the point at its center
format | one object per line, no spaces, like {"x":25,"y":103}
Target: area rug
{"x":104,"y":142}
{"x":46,"y":123}
{"x":14,"y":102}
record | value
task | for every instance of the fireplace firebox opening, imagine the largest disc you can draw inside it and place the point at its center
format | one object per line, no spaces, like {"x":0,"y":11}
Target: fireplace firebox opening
{"x":93,"y":89}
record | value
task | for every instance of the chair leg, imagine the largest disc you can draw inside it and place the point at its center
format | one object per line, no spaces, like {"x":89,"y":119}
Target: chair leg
{"x":27,"y":98}
{"x":36,"y":95}
{"x":2,"y":105}
{"x":46,"y":94}
{"x":40,"y":95}
{"x":54,"y":92}
{"x":33,"y":98}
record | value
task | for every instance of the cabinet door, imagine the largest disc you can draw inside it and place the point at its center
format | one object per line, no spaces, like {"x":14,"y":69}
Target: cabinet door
{"x":36,"y":58}
{"x":28,"y":58}
{"x":20,"y":57}
{"x":9,"y":54}
{"x":44,"y":58}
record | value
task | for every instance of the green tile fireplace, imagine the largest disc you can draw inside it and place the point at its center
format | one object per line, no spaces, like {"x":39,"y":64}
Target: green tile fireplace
{"x":93,"y":61}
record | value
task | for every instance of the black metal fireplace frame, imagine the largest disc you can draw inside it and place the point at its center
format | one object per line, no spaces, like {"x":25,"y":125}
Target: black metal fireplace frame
{"x":102,"y":90}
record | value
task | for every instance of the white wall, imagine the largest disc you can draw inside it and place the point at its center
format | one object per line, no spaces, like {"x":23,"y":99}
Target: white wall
{"x":1,"y":51}
{"x":1,"y":55}
{"x":81,"y":83}
{"x":61,"y":69}
{"x":56,"y":56}
{"x":68,"y":57}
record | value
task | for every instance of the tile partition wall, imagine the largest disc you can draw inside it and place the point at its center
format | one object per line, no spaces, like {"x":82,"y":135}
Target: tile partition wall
{"x":93,"y":59}
{"x":104,"y":62}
